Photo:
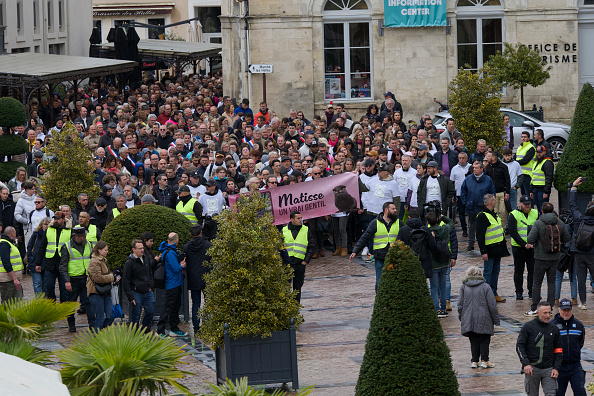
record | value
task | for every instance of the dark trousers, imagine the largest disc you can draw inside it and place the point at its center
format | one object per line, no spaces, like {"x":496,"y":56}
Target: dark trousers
{"x":523,"y":258}
{"x":472,"y":231}
{"x":298,"y":279}
{"x":402,"y":209}
{"x":196,"y":302}
{"x":171,"y":311}
{"x":525,"y":187}
{"x":462,"y":213}
{"x":583,"y":264}
{"x":479,"y":346}
{"x":78,"y":287}
{"x":571,"y":373}
{"x":49,"y":285}
{"x":538,"y":200}
{"x":542,"y":267}
{"x":318,"y":235}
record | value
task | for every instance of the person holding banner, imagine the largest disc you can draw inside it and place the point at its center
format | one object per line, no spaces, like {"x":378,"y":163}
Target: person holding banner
{"x":300,"y":245}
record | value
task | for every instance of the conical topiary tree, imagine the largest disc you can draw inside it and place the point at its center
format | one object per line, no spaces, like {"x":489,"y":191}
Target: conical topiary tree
{"x":578,"y":157}
{"x":248,"y":286}
{"x":405,"y":352}
{"x":12,"y":114}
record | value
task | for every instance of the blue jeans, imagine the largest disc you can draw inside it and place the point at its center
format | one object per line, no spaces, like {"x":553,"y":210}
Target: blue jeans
{"x":146,"y":300}
{"x":574,"y":373}
{"x":379,"y":266}
{"x":538,"y":199}
{"x":491,"y":272}
{"x":37,"y":278}
{"x":438,"y":288}
{"x":101,"y":308}
{"x":196,"y":302}
{"x":49,"y":282}
{"x":448,"y":285}
{"x":572,"y":284}
{"x":513,"y":198}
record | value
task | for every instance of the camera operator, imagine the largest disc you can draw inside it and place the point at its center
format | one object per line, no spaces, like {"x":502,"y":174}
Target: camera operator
{"x":434,"y":186}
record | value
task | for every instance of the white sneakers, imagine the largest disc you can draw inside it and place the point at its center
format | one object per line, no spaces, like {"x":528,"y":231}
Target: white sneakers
{"x":474,"y":365}
{"x":530,"y":313}
{"x":485,"y":365}
{"x":365,"y":251}
{"x":582,"y":306}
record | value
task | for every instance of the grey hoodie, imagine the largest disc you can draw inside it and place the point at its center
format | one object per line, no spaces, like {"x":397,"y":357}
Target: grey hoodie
{"x":537,"y":235}
{"x":24,"y":206}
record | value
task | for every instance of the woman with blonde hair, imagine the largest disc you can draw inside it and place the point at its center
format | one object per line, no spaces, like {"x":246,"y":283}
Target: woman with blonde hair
{"x":100,"y":308}
{"x":477,"y":311}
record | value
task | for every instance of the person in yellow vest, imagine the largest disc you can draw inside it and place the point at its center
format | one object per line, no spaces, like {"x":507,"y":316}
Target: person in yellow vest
{"x":93,"y":233}
{"x":542,"y":178}
{"x":120,"y":207}
{"x":55,"y":236}
{"x":384,"y":231}
{"x":491,"y":241}
{"x":525,"y":156}
{"x":75,"y":256}
{"x":11,"y":271}
{"x":519,"y":223}
{"x":299,"y":245}
{"x":188,"y":206}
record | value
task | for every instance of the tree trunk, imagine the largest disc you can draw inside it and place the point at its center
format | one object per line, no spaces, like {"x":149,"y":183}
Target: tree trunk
{"x":522,"y":98}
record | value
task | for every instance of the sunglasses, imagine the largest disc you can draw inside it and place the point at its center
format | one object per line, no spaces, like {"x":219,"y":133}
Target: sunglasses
{"x":38,"y":202}
{"x":317,"y":173}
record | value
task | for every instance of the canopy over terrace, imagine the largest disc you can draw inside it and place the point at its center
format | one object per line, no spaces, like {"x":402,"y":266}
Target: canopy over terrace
{"x":27,"y":72}
{"x":178,"y":53}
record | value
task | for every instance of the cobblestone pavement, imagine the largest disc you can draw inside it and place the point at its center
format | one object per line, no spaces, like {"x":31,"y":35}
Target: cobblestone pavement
{"x":337,"y":304}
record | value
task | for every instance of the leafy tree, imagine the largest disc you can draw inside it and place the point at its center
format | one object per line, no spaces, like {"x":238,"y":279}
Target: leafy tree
{"x":405,"y":352}
{"x":519,"y":66}
{"x":474,"y":104}
{"x":248,"y":287}
{"x":122,"y":360}
{"x":69,"y":169}
{"x":129,"y":225}
{"x":577,"y":157}
{"x":12,"y":113}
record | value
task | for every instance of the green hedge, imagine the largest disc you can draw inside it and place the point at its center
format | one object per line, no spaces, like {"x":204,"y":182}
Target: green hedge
{"x":12,"y":145}
{"x":12,"y":113}
{"x":578,"y":156}
{"x":133,"y":222}
{"x":8,"y":169}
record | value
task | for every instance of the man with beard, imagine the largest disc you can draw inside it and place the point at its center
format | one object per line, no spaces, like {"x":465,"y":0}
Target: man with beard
{"x":99,"y":214}
{"x":435,"y":187}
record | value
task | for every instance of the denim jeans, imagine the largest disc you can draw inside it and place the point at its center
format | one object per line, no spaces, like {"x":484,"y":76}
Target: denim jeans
{"x":100,"y":307}
{"x":37,"y":278}
{"x":196,"y":302}
{"x":448,"y":285}
{"x":49,"y":281}
{"x":146,"y":301}
{"x":572,"y":284}
{"x":513,"y":198}
{"x":539,"y":199}
{"x":438,"y":288}
{"x":379,"y":266}
{"x":491,"y":272}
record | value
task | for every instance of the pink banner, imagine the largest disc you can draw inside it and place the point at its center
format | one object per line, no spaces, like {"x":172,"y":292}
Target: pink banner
{"x":314,"y":198}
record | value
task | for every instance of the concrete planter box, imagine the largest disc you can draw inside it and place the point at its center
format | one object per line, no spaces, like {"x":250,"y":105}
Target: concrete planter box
{"x":269,"y":360}
{"x":582,"y":199}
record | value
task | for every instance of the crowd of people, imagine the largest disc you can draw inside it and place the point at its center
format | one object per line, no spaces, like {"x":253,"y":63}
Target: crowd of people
{"x":181,"y":143}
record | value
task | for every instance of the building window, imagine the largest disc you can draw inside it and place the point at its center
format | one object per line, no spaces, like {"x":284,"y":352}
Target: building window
{"x":156,"y":32}
{"x":588,"y":2}
{"x":479,"y":32}
{"x":20,"y":50}
{"x":209,"y":18}
{"x":36,"y":16}
{"x":50,"y":15}
{"x":19,"y":17}
{"x":61,"y":14}
{"x":55,"y":49}
{"x":347,"y":50}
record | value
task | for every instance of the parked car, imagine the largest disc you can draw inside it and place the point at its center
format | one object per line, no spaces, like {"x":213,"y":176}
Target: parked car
{"x":556,"y":134}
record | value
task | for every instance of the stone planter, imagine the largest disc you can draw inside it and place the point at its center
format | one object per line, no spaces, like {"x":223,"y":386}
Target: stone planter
{"x":269,"y":360}
{"x":582,"y":199}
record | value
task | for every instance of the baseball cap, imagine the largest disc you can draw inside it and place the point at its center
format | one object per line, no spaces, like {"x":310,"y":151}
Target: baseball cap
{"x":150,"y":142}
{"x":195,"y":174}
{"x":314,"y":142}
{"x":388,"y":93}
{"x":525,"y":199}
{"x":372,"y":153}
{"x":79,"y":230}
{"x":220,"y":154}
{"x":210,"y":183}
{"x":112,"y":125}
{"x":184,"y":189}
{"x":383,"y":168}
{"x":565,"y":303}
{"x":329,"y":106}
{"x":285,"y":158}
{"x":148,"y":198}
{"x":59,"y":215}
{"x":38,"y":154}
{"x":432,"y":164}
{"x":541,"y":149}
{"x":423,"y":147}
{"x":100,"y":201}
{"x":369,"y":162}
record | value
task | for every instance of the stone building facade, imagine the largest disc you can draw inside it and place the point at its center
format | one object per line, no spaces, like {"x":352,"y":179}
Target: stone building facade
{"x":340,"y":51}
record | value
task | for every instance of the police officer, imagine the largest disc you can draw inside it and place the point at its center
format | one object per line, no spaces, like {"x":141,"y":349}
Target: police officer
{"x":75,"y":256}
{"x":525,"y":156}
{"x":11,"y":270}
{"x":542,"y":178}
{"x":519,"y":223}
{"x":188,"y":206}
{"x":299,"y":244}
{"x":572,"y":337}
{"x":55,"y":237}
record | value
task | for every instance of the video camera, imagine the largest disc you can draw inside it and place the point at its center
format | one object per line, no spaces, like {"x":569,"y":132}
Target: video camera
{"x":433,"y":207}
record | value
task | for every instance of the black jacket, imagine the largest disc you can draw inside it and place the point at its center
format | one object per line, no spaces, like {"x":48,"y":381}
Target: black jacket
{"x":404,"y":236}
{"x":138,"y":276}
{"x":370,"y":233}
{"x":99,"y":219}
{"x":494,"y":250}
{"x":578,"y":217}
{"x":7,"y":212}
{"x":572,"y":337}
{"x":33,"y":248}
{"x":499,"y":173}
{"x":51,"y":263}
{"x":311,"y":244}
{"x":446,"y":186}
{"x":167,"y":197}
{"x":196,"y":255}
{"x":547,"y":356}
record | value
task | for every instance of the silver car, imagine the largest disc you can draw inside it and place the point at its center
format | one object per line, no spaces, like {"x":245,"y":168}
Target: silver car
{"x":556,"y":134}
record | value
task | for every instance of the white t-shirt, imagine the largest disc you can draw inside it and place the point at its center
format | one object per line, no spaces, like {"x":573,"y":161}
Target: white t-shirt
{"x":433,"y":190}
{"x":457,"y":175}
{"x":414,"y":187}
{"x":196,"y":192}
{"x":212,"y":204}
{"x":515,"y":170}
{"x":403,"y":179}
{"x":380,"y":191}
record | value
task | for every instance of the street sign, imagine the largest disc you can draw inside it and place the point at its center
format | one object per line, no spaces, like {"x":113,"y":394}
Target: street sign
{"x":260,"y":68}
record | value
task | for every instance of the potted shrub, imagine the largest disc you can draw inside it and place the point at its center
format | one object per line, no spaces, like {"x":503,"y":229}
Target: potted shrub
{"x":130,"y":225}
{"x":250,"y":311}
{"x":577,"y":155}
{"x":405,"y":352}
{"x":12,"y":114}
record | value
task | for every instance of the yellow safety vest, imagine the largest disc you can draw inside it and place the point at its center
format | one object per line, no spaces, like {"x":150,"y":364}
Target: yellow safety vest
{"x":78,"y":263}
{"x":538,"y":176}
{"x":382,"y":237}
{"x":92,"y":234}
{"x":187,"y":210}
{"x":296,"y":247}
{"x":54,"y":246}
{"x":115,"y":212}
{"x":494,"y":232}
{"x":521,"y":153}
{"x":523,"y":223}
{"x":15,"y":257}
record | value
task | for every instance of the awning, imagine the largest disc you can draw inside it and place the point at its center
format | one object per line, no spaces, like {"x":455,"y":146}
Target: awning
{"x":133,"y":9}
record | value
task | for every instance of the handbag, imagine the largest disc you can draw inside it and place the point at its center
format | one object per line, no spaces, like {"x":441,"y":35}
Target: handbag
{"x":565,"y":259}
{"x":103,"y":289}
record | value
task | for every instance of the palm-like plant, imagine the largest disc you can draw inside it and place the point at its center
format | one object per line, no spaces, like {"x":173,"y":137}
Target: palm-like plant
{"x":24,"y":322}
{"x":121,"y":360}
{"x":241,"y":388}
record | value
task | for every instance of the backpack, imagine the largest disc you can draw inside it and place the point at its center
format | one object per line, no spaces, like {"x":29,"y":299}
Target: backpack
{"x":418,"y":243}
{"x":583,"y":240}
{"x":159,"y":274}
{"x":442,"y":253}
{"x":552,"y":239}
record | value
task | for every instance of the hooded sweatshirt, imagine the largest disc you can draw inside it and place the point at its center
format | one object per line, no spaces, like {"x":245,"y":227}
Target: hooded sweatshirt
{"x":24,"y":206}
{"x":173,"y":269}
